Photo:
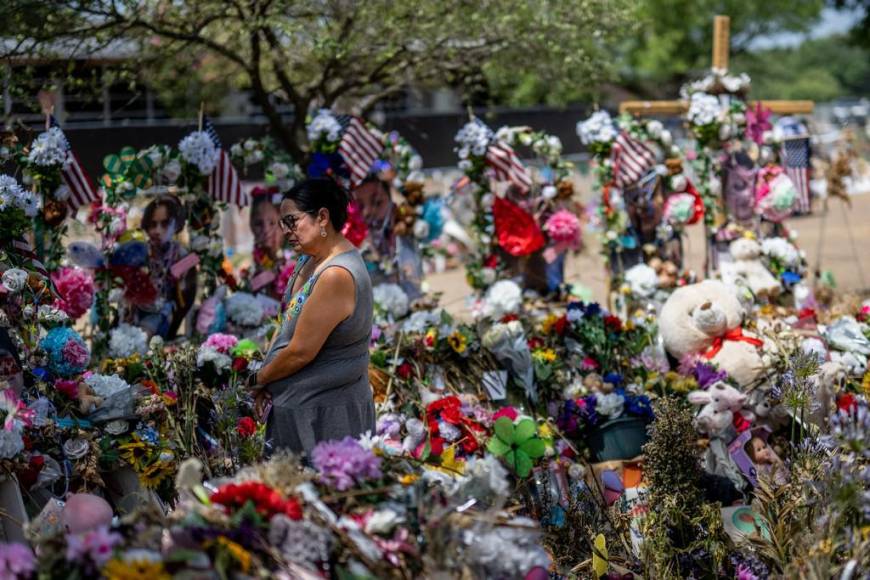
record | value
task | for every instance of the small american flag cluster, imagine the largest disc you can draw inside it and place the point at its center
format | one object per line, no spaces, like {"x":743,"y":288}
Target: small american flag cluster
{"x":82,"y":190}
{"x":224,"y":184}
{"x":359,"y":147}
{"x":506,"y":166}
{"x":795,"y":158}
{"x":631,"y":160}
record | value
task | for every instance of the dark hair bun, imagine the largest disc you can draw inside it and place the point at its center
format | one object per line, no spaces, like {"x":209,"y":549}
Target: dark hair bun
{"x":321,"y":192}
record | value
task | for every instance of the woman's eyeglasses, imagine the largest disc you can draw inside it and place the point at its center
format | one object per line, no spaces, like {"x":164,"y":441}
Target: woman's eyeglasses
{"x":289,"y":221}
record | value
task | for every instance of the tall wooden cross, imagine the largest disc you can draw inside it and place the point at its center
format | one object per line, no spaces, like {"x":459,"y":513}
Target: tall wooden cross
{"x":721,"y":46}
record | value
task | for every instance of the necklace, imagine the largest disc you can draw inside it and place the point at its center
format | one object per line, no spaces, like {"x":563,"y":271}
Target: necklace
{"x":294,"y":307}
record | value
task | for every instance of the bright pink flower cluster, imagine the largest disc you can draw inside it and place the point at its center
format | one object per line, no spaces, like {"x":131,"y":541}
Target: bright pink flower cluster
{"x":75,"y":288}
{"x":221,"y":342}
{"x":564,"y":229}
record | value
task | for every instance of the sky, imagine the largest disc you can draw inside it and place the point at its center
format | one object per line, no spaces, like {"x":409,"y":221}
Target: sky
{"x":832,"y":22}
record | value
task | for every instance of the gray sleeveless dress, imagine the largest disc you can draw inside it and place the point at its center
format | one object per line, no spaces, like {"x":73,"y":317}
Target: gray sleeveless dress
{"x":329,"y":398}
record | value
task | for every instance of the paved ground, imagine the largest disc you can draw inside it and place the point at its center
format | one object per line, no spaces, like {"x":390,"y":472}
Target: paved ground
{"x":841,"y":236}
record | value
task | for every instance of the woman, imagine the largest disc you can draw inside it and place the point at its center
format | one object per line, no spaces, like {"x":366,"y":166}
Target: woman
{"x":316,"y":372}
{"x":269,"y":273}
{"x":163,"y":218}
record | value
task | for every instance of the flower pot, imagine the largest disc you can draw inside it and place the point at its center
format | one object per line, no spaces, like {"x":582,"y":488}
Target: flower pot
{"x":617,"y":439}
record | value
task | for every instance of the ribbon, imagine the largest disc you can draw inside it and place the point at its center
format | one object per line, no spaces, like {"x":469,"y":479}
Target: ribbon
{"x":735,"y":334}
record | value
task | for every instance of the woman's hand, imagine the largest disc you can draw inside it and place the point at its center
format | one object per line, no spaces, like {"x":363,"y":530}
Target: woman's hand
{"x":261,"y":402}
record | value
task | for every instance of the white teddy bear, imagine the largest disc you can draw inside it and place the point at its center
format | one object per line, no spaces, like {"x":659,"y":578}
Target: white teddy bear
{"x":705,"y":319}
{"x":720,"y":401}
{"x":748,"y":269}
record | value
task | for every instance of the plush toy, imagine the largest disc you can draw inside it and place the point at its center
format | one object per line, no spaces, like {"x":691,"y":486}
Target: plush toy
{"x":88,"y":400}
{"x":748,"y":269}
{"x":720,"y":401}
{"x":84,"y":512}
{"x":668,"y":273}
{"x":760,"y":411}
{"x":705,"y":319}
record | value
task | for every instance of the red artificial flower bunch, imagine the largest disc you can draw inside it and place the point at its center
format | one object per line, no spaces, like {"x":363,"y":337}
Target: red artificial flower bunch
{"x":535,"y":343}
{"x":266,"y":500}
{"x":246,"y":427}
{"x":449,"y":410}
{"x":847,"y":402}
{"x":405,"y":371}
{"x":613,"y":322}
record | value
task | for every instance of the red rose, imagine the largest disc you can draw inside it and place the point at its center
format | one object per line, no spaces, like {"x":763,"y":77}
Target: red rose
{"x":246,"y":427}
{"x":509,"y":318}
{"x":491,"y":261}
{"x":561,"y":325}
{"x":405,"y":370}
{"x":292,"y":509}
{"x":613,"y":322}
{"x":535,"y":343}
{"x":240,"y":364}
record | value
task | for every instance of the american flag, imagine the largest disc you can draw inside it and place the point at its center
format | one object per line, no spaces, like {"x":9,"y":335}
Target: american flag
{"x":631,"y":160}
{"x":359,"y":147}
{"x":796,"y":159}
{"x":82,"y":190}
{"x":223,"y":183}
{"x":507,"y":166}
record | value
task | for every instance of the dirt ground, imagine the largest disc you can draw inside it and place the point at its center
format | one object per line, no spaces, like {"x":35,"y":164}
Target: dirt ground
{"x":841,"y":236}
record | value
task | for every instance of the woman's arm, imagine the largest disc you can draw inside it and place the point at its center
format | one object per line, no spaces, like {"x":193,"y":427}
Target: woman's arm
{"x":332,"y":300}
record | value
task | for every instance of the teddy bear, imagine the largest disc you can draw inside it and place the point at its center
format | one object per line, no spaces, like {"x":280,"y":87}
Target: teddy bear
{"x":747,"y":269}
{"x":705,"y":319}
{"x":720,"y":401}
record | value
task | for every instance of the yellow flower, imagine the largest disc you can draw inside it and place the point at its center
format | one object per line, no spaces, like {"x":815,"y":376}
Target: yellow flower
{"x":449,"y":464}
{"x":629,"y":325}
{"x":545,"y":431}
{"x":458,"y":342}
{"x":239,"y":554}
{"x":152,"y":475}
{"x":549,"y":323}
{"x":430,"y":341}
{"x":865,"y":384}
{"x":134,"y":453}
{"x":117,"y":569}
{"x":408,"y":478}
{"x":545,"y":355}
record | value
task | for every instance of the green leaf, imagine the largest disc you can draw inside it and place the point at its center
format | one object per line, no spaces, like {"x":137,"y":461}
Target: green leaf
{"x":498,"y":447}
{"x":511,"y":459}
{"x":523,"y":464}
{"x":534,"y":448}
{"x":504,"y":429}
{"x":524,"y":430}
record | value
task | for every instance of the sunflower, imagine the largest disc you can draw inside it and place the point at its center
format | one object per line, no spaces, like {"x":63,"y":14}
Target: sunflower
{"x":135,"y":453}
{"x":239,"y":554}
{"x":458,"y":342}
{"x":548,"y":324}
{"x":155,"y":473}
{"x":117,"y":569}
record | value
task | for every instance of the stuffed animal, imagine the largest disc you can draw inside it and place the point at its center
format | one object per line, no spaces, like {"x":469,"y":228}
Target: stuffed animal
{"x":720,"y":401}
{"x":760,"y":411}
{"x":84,"y":512}
{"x":748,"y":269}
{"x":705,"y":319}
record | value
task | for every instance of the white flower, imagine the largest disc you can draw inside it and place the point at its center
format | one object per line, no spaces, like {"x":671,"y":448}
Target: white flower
{"x":391,"y":299}
{"x":62,"y":193}
{"x":198,"y":149}
{"x":279,"y":170}
{"x":382,"y":521}
{"x":244,"y":309}
{"x":199,"y":243}
{"x":76,"y":448}
{"x":30,"y":203}
{"x":464,"y":165}
{"x":782,"y":250}
{"x":421,"y":229}
{"x":610,"y":405}
{"x":642,"y":279}
{"x":474,"y":136}
{"x":11,"y":444}
{"x":172,"y":170}
{"x":704,"y":109}
{"x":48,"y":314}
{"x":415,"y":163}
{"x":324,"y":126}
{"x":14,"y":280}
{"x":106,"y":385}
{"x":215,"y":247}
{"x":236,"y":150}
{"x":598,"y":128}
{"x":49,"y":148}
{"x":117,"y":427}
{"x":487,"y":275}
{"x":127,"y":340}
{"x":503,"y":297}
{"x":207,"y":354}
{"x":549,"y":192}
{"x":491,"y":471}
{"x":421,"y":320}
{"x":654,"y":128}
{"x":156,"y":343}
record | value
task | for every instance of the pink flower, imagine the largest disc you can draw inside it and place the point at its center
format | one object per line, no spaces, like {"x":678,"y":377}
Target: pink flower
{"x":355,"y":229}
{"x":96,"y":545}
{"x":563,"y":227}
{"x":588,"y":364}
{"x":284,"y":278}
{"x":75,"y":353}
{"x":67,"y":387}
{"x":221,"y":342}
{"x":508,"y":412}
{"x":75,"y":288}
{"x":16,"y":561}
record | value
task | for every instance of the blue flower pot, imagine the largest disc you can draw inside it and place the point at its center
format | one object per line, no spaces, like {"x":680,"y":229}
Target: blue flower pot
{"x":618,"y":439}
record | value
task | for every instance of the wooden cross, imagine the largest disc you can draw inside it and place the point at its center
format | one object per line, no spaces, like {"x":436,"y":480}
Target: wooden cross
{"x":721,"y":33}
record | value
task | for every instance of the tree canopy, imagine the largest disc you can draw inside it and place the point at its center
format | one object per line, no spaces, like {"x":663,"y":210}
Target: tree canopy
{"x":293,"y":55}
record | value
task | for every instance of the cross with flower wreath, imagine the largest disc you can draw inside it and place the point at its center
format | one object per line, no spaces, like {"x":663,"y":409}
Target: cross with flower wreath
{"x":721,"y":45}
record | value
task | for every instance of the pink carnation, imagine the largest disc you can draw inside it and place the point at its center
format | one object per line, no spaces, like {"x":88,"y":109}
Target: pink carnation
{"x":67,"y":387}
{"x":75,"y":288}
{"x":75,"y":353}
{"x":563,"y":227}
{"x":284,"y":278}
{"x":508,"y":412}
{"x":221,"y":342}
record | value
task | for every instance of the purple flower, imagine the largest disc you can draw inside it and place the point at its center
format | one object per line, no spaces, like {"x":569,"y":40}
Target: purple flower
{"x":16,"y":561}
{"x":96,"y":545}
{"x":706,"y":374}
{"x":389,"y":424}
{"x":344,"y":463}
